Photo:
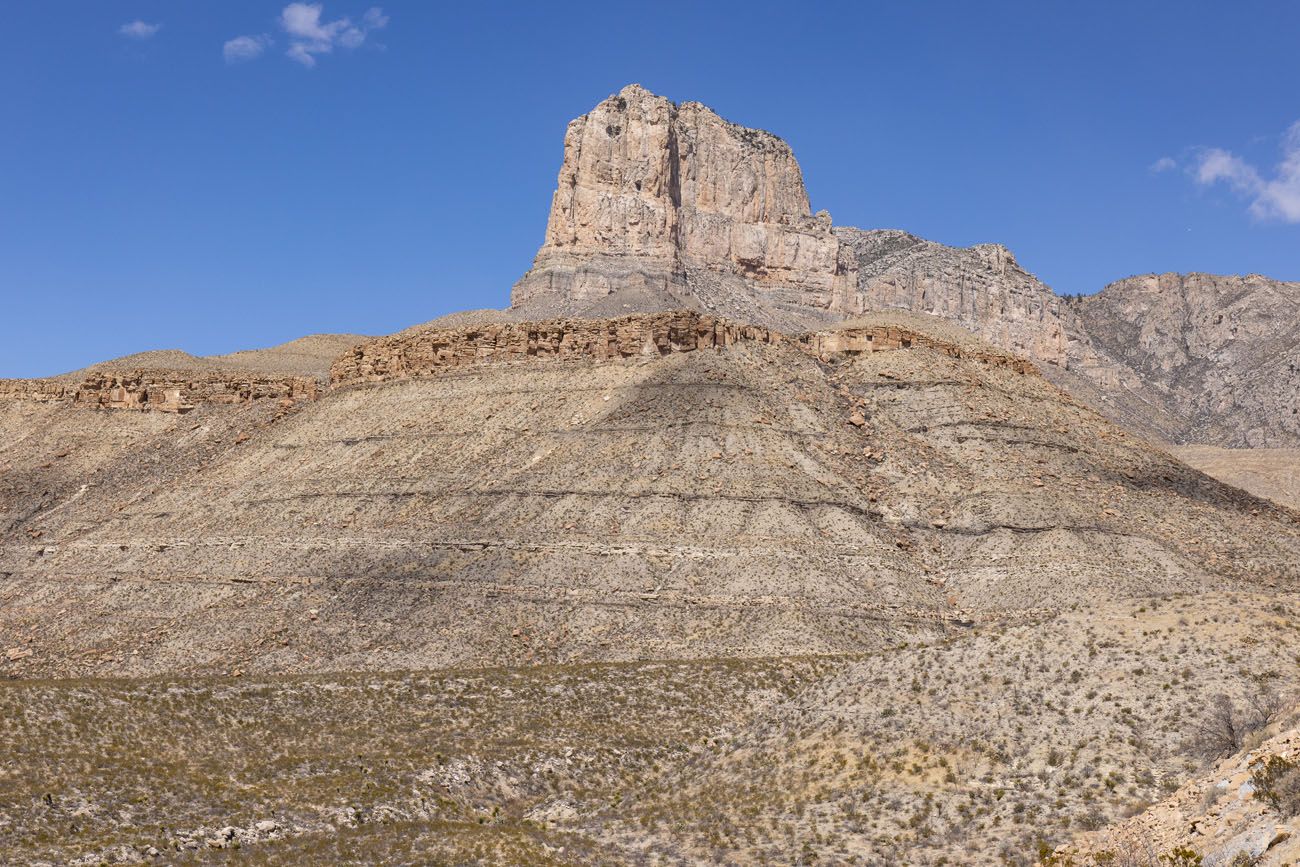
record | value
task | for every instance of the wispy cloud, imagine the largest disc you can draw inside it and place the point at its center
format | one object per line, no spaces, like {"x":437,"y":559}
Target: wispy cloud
{"x":1270,"y":198}
{"x":241,"y":49}
{"x":1164,"y":164}
{"x":139,"y":30}
{"x":309,"y":36}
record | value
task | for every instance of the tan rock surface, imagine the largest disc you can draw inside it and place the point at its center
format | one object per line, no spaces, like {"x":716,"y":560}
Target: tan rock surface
{"x":660,"y":206}
{"x":1222,"y":352}
{"x":650,"y":191}
{"x":1219,"y":816}
{"x":669,"y":485}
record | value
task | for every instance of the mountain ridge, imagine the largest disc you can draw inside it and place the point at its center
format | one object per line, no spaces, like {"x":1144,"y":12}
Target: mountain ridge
{"x":616,"y":576}
{"x":642,"y":220}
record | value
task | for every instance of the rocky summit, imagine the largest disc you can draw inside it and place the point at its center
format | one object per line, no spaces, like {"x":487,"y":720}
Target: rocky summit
{"x":665,"y":205}
{"x":660,"y":205}
{"x":739,"y":538}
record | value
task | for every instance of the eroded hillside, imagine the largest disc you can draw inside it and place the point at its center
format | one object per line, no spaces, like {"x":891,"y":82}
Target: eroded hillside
{"x":667,"y":486}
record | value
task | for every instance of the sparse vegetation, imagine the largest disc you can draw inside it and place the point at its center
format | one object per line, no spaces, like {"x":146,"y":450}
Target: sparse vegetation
{"x":1226,"y":725}
{"x":1278,"y":783}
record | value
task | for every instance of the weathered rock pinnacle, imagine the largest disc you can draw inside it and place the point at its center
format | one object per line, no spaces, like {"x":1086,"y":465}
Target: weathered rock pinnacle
{"x":650,"y":192}
{"x":668,"y":205}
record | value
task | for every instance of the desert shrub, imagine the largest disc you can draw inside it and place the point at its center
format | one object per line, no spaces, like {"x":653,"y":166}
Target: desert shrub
{"x":1277,"y":781}
{"x":1226,"y":724}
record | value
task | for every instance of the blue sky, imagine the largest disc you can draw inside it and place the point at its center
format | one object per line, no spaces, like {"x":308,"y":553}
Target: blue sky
{"x":222,"y":175}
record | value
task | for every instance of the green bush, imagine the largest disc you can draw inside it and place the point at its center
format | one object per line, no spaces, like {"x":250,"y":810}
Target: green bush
{"x":1277,"y":783}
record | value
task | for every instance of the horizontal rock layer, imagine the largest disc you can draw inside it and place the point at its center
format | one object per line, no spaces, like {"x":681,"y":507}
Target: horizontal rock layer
{"x":160,"y":390}
{"x":424,"y":352}
{"x":767,"y":495}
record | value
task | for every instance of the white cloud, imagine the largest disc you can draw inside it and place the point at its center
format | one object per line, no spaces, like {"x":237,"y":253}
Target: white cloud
{"x":245,"y":48}
{"x":310,"y":36}
{"x":139,"y":30}
{"x":1275,"y":198}
{"x":1164,"y":164}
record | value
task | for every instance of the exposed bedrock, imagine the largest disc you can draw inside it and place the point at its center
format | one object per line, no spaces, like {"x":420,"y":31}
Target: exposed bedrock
{"x":661,"y":205}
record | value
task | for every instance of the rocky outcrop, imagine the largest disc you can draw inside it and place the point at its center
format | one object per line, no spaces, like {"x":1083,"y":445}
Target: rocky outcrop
{"x":426,"y":351}
{"x":661,"y":206}
{"x":650,"y":190}
{"x":983,"y":288}
{"x":664,"y":205}
{"x":429,"y":351}
{"x":160,"y":390}
{"x":857,"y":339}
{"x":1222,"y":352}
{"x":1223,"y":817}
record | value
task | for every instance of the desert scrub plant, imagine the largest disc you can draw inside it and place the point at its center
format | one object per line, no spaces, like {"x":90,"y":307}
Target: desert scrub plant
{"x":1226,"y":725}
{"x":1277,"y":781}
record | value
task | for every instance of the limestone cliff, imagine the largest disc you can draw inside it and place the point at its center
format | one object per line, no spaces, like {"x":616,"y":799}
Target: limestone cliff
{"x":650,"y":191}
{"x":660,"y":205}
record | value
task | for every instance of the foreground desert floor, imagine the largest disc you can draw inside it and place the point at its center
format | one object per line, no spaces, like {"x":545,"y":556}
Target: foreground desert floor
{"x":977,"y":749}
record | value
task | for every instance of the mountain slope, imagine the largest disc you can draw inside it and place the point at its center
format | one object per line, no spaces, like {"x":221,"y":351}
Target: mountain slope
{"x":307,"y":356}
{"x":1223,"y":351}
{"x":1271,"y":473}
{"x":660,"y":486}
{"x":661,"y":205}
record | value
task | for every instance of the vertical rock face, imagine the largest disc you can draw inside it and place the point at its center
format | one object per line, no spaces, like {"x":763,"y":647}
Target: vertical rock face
{"x":665,"y":205}
{"x":983,"y":288}
{"x":650,"y":192}
{"x":613,"y":218}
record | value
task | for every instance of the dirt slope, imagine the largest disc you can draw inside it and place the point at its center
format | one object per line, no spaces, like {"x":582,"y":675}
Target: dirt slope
{"x":1271,"y":473}
{"x":749,"y":500}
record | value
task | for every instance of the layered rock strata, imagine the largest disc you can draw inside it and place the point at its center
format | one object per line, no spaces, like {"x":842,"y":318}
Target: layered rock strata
{"x":649,"y":189}
{"x":664,"y":205}
{"x":160,"y":390}
{"x":762,"y":494}
{"x":426,"y":351}
{"x":660,"y":206}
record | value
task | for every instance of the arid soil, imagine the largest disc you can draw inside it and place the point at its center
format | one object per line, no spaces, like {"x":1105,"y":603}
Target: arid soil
{"x":752,"y":499}
{"x":1271,"y":473}
{"x":985,"y":748}
{"x":692,"y":556}
{"x":660,"y":590}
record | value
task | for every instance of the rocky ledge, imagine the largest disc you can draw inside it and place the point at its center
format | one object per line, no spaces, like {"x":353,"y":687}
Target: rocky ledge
{"x":161,"y":390}
{"x":427,"y":351}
